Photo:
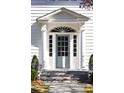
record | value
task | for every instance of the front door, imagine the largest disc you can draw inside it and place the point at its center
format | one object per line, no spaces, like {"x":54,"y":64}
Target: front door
{"x":62,"y":52}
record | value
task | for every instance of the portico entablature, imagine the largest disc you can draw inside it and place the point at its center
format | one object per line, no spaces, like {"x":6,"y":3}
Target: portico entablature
{"x":62,"y":17}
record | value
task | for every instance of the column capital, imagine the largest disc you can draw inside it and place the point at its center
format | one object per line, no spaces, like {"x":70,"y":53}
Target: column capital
{"x":44,"y":28}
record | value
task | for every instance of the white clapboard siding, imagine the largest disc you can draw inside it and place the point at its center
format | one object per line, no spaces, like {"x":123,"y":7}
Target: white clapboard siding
{"x":40,"y":10}
{"x":34,"y":51}
{"x":55,"y":2}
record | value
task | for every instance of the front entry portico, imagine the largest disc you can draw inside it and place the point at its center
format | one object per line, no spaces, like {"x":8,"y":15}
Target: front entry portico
{"x":62,"y":41}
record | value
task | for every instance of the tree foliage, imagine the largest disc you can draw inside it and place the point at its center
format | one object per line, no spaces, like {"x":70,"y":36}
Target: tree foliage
{"x":86,"y":4}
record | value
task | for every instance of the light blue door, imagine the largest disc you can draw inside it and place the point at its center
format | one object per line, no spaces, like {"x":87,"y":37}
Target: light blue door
{"x":62,"y":51}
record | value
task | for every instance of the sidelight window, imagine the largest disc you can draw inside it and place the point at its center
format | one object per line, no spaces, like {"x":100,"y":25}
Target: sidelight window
{"x":50,"y":45}
{"x":74,"y":45}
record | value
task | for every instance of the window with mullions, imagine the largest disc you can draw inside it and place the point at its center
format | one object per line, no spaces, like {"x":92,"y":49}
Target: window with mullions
{"x":63,"y":29}
{"x":50,"y":45}
{"x":62,"y":46}
{"x":74,"y":45}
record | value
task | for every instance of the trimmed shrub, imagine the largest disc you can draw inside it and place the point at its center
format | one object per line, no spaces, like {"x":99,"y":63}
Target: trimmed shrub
{"x":91,"y":63}
{"x":34,"y":68}
{"x":91,"y":69}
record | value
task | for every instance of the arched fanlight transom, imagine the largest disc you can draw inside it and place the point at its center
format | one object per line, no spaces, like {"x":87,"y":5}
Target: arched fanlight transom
{"x":63,"y":29}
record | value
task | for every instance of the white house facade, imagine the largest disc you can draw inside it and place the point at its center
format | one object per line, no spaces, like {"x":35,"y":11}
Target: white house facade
{"x":61,"y":34}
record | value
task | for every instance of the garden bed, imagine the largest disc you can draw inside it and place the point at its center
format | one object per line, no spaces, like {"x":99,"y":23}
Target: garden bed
{"x":39,"y":87}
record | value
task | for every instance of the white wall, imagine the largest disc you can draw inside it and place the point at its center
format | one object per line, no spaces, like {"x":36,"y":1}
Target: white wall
{"x":40,"y":10}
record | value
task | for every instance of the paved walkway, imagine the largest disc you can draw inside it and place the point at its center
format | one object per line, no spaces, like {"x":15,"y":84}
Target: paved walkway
{"x":66,"y":88}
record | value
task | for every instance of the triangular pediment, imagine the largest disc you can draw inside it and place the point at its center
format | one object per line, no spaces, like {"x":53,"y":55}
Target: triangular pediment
{"x":62,"y":14}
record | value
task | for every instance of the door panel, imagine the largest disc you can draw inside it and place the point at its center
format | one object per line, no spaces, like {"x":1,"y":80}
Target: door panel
{"x":62,"y":51}
{"x":59,"y":63}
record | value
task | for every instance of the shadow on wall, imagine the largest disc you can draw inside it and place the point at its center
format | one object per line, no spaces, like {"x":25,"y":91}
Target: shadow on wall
{"x":35,"y":35}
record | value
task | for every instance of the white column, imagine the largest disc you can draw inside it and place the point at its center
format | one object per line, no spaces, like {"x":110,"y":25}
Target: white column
{"x":54,"y":51}
{"x":71,"y":52}
{"x":80,"y":50}
{"x":45,"y":48}
{"x":41,"y":51}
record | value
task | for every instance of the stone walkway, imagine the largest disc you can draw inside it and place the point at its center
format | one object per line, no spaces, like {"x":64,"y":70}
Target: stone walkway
{"x":66,"y":87}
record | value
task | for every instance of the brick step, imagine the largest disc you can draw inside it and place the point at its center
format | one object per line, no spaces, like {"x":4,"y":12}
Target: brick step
{"x":58,"y":78}
{"x":68,"y":76}
{"x":63,"y":72}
